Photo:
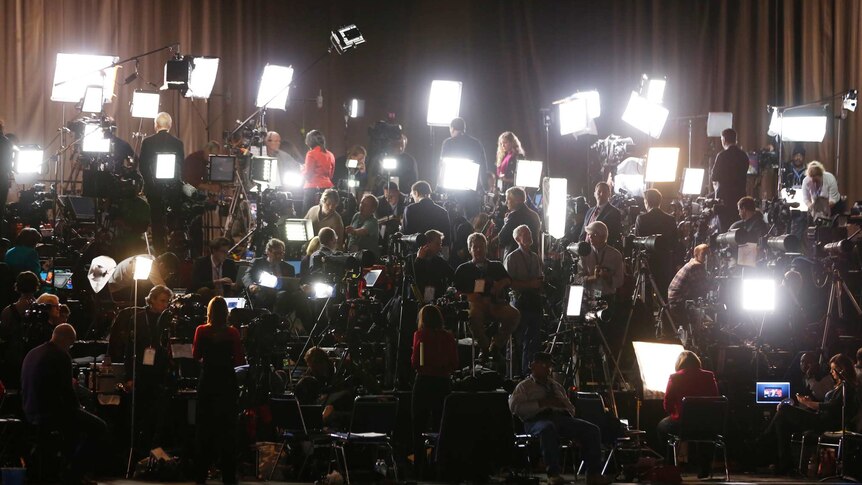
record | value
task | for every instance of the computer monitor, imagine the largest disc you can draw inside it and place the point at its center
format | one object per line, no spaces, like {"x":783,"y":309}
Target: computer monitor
{"x":297,"y":265}
{"x":772,"y":392}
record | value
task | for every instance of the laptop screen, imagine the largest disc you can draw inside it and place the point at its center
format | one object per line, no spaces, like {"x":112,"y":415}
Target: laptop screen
{"x":235,"y":303}
{"x":772,"y":392}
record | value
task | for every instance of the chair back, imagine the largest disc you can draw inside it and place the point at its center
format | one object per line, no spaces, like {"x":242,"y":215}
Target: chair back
{"x":312,"y":414}
{"x":374,"y":414}
{"x":286,"y":414}
{"x":590,"y":407}
{"x":702,"y":418}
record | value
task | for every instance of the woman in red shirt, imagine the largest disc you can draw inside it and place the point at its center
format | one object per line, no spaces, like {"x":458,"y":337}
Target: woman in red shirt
{"x":218,"y":348}
{"x":435,"y":358}
{"x":318,"y":169}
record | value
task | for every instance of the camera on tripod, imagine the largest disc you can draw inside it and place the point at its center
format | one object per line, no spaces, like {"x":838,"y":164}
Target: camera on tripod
{"x":648,"y":243}
{"x":401,"y":244}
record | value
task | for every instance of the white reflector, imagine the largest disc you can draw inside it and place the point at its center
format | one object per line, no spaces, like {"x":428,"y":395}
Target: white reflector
{"x":692,"y":181}
{"x":74,"y":72}
{"x":444,"y":102}
{"x":458,"y":174}
{"x":656,"y":362}
{"x":274,"y":87}
{"x":661,"y":164}
{"x":645,"y":116}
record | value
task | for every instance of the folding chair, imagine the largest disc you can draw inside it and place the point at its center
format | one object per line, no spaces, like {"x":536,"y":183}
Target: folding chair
{"x":371,"y":424}
{"x":702,"y":420}
{"x":288,"y":419}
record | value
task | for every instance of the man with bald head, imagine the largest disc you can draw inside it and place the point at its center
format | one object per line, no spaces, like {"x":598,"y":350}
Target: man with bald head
{"x":50,"y":402}
{"x":273,"y":149}
{"x":157,"y":189}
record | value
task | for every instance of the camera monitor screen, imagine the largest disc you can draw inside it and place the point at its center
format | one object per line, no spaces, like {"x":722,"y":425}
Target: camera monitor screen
{"x":221,"y":168}
{"x":772,"y":392}
{"x":371,"y":277}
{"x":235,"y":303}
{"x":63,"y":278}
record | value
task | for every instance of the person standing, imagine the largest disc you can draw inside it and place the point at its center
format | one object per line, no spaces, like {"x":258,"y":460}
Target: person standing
{"x":218,"y":348}
{"x":286,"y":162}
{"x":424,"y":214}
{"x":462,"y":145}
{"x":525,"y":268}
{"x":155,"y":190}
{"x":363,"y":233}
{"x":318,"y":169}
{"x":820,"y":191}
{"x":509,"y":151}
{"x":729,"y":177}
{"x":519,"y":214}
{"x":6,"y":150}
{"x":606,"y":213}
{"x":656,"y":222}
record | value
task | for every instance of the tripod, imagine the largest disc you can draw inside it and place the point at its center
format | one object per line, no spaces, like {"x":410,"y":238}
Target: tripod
{"x":836,"y":292}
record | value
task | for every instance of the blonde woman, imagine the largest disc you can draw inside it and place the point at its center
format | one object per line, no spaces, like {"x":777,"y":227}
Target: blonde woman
{"x":509,"y":151}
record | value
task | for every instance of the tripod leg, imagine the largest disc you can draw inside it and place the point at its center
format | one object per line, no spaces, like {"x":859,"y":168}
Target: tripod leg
{"x":852,"y":298}
{"x":833,"y":295}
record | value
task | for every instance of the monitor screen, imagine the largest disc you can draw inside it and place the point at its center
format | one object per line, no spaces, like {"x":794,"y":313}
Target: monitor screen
{"x":772,"y":392}
{"x":221,"y":168}
{"x":235,"y":303}
{"x":371,"y":277}
{"x":296,"y":263}
{"x":63,"y":278}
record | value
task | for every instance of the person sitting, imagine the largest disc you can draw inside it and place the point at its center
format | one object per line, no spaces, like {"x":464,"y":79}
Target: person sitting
{"x":321,"y":385}
{"x":50,"y":402}
{"x":817,"y":382}
{"x":689,"y":283}
{"x":430,"y":271}
{"x":484,"y":282}
{"x":751,"y":225}
{"x":363,"y":233}
{"x":23,"y":256}
{"x":216,"y":271}
{"x":287,"y":294}
{"x":326,"y":215}
{"x":12,"y":349}
{"x":328,"y":244}
{"x":122,"y":281}
{"x":541,"y":403}
{"x":811,"y":415}
{"x":690,"y":379}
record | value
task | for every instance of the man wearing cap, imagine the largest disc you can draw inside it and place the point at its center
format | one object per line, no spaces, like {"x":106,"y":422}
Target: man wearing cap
{"x":541,"y":403}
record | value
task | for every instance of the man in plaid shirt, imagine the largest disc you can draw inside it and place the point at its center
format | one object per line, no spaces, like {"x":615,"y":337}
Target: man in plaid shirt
{"x":689,"y":283}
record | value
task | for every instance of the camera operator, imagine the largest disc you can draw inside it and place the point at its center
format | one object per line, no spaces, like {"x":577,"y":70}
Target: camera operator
{"x":605,"y":213}
{"x":363,"y":233}
{"x":462,"y":145}
{"x":601,"y":271}
{"x":729,"y":177}
{"x":655,"y":221}
{"x":525,"y":269}
{"x":122,"y":281}
{"x":689,"y":283}
{"x":519,"y":215}
{"x":484,"y":282}
{"x":161,"y":142}
{"x":390,"y":209}
{"x":216,"y":271}
{"x":430,"y":271}
{"x":326,"y":215}
{"x":820,"y":191}
{"x":328,"y":247}
{"x":12,"y":349}
{"x":793,"y":177}
{"x":281,"y":300}
{"x":424,"y":214}
{"x":751,"y":222}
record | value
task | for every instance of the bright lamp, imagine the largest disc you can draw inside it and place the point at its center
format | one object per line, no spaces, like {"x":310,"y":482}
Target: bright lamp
{"x":75,"y":72}
{"x":274,"y":87}
{"x":94,"y":140}
{"x":458,"y":174}
{"x":202,"y":77}
{"x":389,"y":163}
{"x":716,"y":122}
{"x":166,"y":166}
{"x":322,"y":290}
{"x":292,"y":179}
{"x":444,"y":102}
{"x":692,"y":181}
{"x":92,"y":99}
{"x":804,"y":125}
{"x":356,"y":108}
{"x":298,"y":230}
{"x":758,"y":294}
{"x":655,"y":90}
{"x":656,"y":362}
{"x":143,"y":266}
{"x":145,"y":104}
{"x":645,"y":115}
{"x":528,"y":173}
{"x":661,"y":164}
{"x":268,"y":279}
{"x":577,"y":113}
{"x":576,"y":298}
{"x":556,"y":208}
{"x":28,"y":159}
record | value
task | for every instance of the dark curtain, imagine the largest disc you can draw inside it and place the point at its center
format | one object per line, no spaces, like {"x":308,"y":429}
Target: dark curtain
{"x":514,"y":58}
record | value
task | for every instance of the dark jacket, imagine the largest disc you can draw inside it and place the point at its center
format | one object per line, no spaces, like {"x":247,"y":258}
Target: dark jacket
{"x":612,"y":217}
{"x":730,"y":170}
{"x":161,"y":142}
{"x":664,"y":259}
{"x":202,"y":274}
{"x":515,"y":218}
{"x":46,"y":385}
{"x":259,"y":265}
{"x":465,"y":146}
{"x":425,"y":215}
{"x":752,"y":229}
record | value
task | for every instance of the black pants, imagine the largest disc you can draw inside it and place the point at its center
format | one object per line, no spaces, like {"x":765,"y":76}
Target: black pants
{"x":668,"y":426}
{"x":429,"y":392}
{"x":788,"y":420}
{"x":215,"y":433}
{"x":84,"y":437}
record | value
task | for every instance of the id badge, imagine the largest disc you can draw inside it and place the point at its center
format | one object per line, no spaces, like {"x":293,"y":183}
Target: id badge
{"x":149,"y":356}
{"x":479,"y":286}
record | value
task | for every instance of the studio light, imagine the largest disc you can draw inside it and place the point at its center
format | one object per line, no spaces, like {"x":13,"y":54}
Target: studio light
{"x":632,"y":183}
{"x":29,"y":159}
{"x":805,"y":125}
{"x":143,"y":266}
{"x":716,"y":122}
{"x":356,"y":108}
{"x":645,"y":116}
{"x":692,"y":181}
{"x":94,"y":140}
{"x":261,"y":169}
{"x":145,"y":104}
{"x":166,"y":166}
{"x":656,"y":362}
{"x":194,"y":76}
{"x":292,"y":179}
{"x":556,"y":208}
{"x":758,"y":294}
{"x":322,"y":290}
{"x":653,"y":89}
{"x":848,"y":101}
{"x":298,"y":230}
{"x":92,"y":99}
{"x":528,"y":173}
{"x":389,"y":163}
{"x":576,"y":298}
{"x":268,"y":279}
{"x":352,"y":183}
{"x":577,"y":112}
{"x":274,"y":87}
{"x":661,"y":164}
{"x":444,"y":102}
{"x":75,"y":72}
{"x":346,"y":38}
{"x":458,"y":174}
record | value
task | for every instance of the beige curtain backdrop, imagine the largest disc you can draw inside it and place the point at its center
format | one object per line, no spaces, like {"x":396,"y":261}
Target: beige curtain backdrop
{"x":514,"y":57}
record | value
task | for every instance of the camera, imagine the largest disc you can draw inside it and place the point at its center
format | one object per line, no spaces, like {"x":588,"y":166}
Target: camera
{"x":579,"y":249}
{"x":415,"y":240}
{"x":648,"y":243}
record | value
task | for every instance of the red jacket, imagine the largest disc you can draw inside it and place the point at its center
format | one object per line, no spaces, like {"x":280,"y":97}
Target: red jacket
{"x":318,"y":169}
{"x":440,"y":353}
{"x":687,"y":382}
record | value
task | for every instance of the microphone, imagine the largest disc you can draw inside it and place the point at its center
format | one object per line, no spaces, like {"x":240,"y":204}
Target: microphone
{"x":320,"y":99}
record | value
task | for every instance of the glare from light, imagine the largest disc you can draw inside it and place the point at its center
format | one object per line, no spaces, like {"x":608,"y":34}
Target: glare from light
{"x":576,"y":297}
{"x":716,"y":122}
{"x":202,"y":78}
{"x":692,"y":181}
{"x":389,"y":163}
{"x":632,"y":183}
{"x":796,"y":197}
{"x":655,"y":90}
{"x":528,"y":173}
{"x":458,"y":174}
{"x":74,"y":72}
{"x":352,"y":183}
{"x":28,"y":159}
{"x":143,"y":266}
{"x":656,"y":362}
{"x":352,"y":163}
{"x":758,"y":294}
{"x":268,"y":279}
{"x":274,"y":87}
{"x":661,"y":164}
{"x":92,"y":100}
{"x":645,"y":116}
{"x":322,"y":290}
{"x":803,"y":128}
{"x":145,"y":104}
{"x":444,"y":103}
{"x":357,"y":108}
{"x":292,"y":179}
{"x":298,"y":230}
{"x":166,"y":166}
{"x":94,"y":140}
{"x":556,"y":207}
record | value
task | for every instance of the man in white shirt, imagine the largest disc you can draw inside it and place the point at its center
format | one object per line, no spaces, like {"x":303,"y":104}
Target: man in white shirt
{"x":820,"y":191}
{"x":602,"y":270}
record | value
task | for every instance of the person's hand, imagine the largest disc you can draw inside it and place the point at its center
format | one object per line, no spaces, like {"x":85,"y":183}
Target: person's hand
{"x":423,"y":251}
{"x":806,"y":401}
{"x":253,"y":289}
{"x":349,"y":229}
{"x":223,"y":281}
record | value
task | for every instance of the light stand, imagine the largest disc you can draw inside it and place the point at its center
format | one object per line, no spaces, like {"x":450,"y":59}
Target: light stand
{"x":143,"y":266}
{"x":546,"y":122}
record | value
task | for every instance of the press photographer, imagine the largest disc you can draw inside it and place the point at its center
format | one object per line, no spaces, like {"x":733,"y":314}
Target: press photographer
{"x":602,"y":271}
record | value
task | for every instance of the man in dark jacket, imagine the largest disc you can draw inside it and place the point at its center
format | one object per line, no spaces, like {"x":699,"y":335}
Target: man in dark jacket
{"x":519,"y":214}
{"x":424,"y":214}
{"x":663,"y":259}
{"x":216,"y":271}
{"x":156,"y":189}
{"x":287,"y":295}
{"x":728,"y":177}
{"x":462,"y":145}
{"x":606,"y":213}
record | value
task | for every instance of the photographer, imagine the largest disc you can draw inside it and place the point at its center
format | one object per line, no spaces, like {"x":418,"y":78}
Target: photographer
{"x":751,"y":223}
{"x":663,"y":261}
{"x":430,"y":271}
{"x":326,"y":215}
{"x":689,"y":283}
{"x":601,"y":271}
{"x":525,"y":268}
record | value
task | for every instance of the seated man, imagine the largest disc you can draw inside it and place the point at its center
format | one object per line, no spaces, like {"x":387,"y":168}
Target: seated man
{"x":328,"y":244}
{"x":751,"y":224}
{"x":286,"y":295}
{"x":484,"y":282}
{"x":216,"y":271}
{"x":541,"y":403}
{"x":689,"y":283}
{"x":121,"y":284}
{"x":431,"y":273}
{"x":50,"y":402}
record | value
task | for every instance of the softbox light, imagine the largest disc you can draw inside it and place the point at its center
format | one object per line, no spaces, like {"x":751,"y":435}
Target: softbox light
{"x":274,"y":87}
{"x":94,"y":140}
{"x":194,"y":76}
{"x":93,"y":99}
{"x":345,"y":38}
{"x":577,"y":112}
{"x":656,"y":362}
{"x":655,"y":90}
{"x":804,"y":125}
{"x":298,"y":230}
{"x":444,"y":102}
{"x":661,"y":164}
{"x":632,"y":183}
{"x":716,"y":122}
{"x":575,"y":299}
{"x":75,"y":72}
{"x":692,"y":181}
{"x":145,"y":104}
{"x":528,"y":173}
{"x":143,"y":266}
{"x":556,"y":208}
{"x":645,"y":116}
{"x":29,"y":159}
{"x":458,"y":174}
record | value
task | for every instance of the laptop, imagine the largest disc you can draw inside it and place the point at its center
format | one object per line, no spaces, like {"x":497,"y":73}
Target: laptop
{"x":237,"y":302}
{"x":772,"y":392}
